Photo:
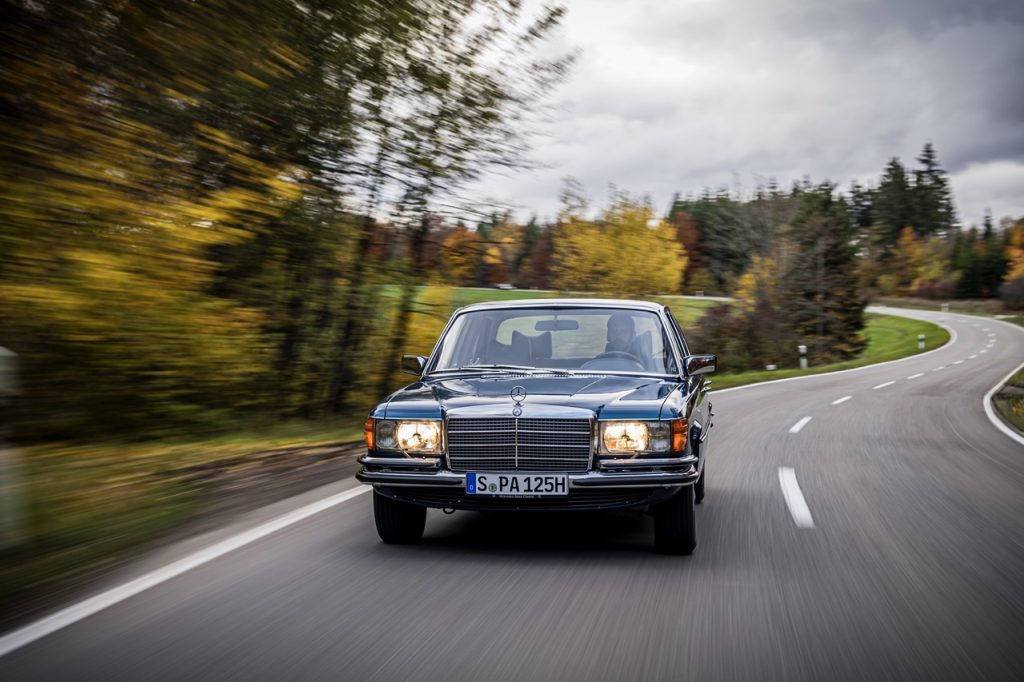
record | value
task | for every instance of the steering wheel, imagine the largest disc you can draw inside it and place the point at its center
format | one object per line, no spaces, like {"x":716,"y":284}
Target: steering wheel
{"x":619,"y":354}
{"x":616,"y":354}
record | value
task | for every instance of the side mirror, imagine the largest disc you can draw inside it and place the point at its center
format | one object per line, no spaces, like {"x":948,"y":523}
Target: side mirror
{"x":413,"y":364}
{"x":700,"y":364}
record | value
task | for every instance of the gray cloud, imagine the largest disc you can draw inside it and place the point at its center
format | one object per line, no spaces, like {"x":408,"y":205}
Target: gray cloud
{"x":677,"y":95}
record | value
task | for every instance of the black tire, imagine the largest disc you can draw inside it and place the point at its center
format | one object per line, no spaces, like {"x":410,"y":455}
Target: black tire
{"x":698,"y":487}
{"x":398,"y":522}
{"x":675,"y":524}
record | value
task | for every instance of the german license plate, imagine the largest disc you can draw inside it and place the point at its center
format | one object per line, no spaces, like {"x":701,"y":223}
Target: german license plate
{"x":517,"y":485}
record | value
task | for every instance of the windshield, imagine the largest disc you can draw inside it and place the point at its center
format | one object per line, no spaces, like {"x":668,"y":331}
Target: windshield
{"x":567,"y":339}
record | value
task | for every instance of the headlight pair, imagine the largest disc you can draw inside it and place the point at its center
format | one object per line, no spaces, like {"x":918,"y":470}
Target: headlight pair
{"x":638,"y":437}
{"x":419,"y":436}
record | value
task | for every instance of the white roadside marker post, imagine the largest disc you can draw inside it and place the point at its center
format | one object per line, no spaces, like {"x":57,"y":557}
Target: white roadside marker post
{"x":803,"y":356}
{"x":920,"y":341}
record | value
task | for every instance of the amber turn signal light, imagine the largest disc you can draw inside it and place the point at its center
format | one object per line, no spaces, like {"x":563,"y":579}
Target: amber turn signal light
{"x":679,"y":428}
{"x":368,"y":432}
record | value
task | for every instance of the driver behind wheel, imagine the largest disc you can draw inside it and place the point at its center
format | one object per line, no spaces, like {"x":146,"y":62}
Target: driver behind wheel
{"x":620,"y":333}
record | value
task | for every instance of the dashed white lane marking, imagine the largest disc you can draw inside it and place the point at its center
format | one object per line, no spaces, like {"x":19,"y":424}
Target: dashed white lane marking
{"x":795,"y":428}
{"x":984,"y":329}
{"x":938,"y":368}
{"x":888,"y":383}
{"x":959,"y":362}
{"x":103,"y":600}
{"x":975,"y":325}
{"x":983,"y":350}
{"x":794,"y":498}
{"x":914,"y":376}
{"x":841,"y":400}
{"x":971,"y":357}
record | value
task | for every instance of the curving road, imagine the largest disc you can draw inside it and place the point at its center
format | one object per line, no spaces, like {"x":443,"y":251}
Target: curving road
{"x":861,"y":525}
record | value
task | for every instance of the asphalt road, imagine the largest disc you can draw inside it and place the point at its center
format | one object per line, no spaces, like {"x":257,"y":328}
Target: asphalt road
{"x":908,"y":563}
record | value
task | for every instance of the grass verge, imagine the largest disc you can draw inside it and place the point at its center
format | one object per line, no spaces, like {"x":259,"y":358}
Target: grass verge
{"x":889,"y":338}
{"x":1009,"y":401}
{"x":80,"y":506}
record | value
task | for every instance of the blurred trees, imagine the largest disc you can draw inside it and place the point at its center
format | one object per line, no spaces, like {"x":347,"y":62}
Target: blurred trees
{"x":192,"y":194}
{"x":216,"y":210}
{"x":1012,"y":289}
{"x":798,"y":288}
{"x":628,"y":251}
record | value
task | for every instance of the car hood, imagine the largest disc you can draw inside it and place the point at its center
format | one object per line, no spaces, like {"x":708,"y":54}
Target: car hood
{"x":603,"y":397}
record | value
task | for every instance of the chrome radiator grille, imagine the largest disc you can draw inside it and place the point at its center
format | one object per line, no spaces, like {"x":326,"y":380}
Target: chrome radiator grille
{"x":518,"y":444}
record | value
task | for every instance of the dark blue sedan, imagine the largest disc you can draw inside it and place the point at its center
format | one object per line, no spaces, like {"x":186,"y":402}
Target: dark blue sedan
{"x":546,"y":404}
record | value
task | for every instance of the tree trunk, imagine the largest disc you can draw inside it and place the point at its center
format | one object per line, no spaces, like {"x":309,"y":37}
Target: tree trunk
{"x":417,"y":242}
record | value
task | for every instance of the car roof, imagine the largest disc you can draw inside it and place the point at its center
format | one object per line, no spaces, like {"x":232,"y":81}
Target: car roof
{"x":625,"y":304}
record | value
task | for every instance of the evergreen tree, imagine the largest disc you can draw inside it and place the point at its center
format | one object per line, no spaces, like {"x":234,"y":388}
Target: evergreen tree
{"x":820,"y":292}
{"x":892,"y":209}
{"x":933,"y":203}
{"x":726,"y":243}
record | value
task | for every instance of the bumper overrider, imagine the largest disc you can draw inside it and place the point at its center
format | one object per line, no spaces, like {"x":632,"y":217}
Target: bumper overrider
{"x":612,"y":483}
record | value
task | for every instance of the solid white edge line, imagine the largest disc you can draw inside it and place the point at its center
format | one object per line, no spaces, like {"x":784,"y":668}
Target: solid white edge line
{"x":795,"y":428}
{"x":83,"y":609}
{"x":950,"y":342}
{"x":986,"y":401}
{"x":990,"y":411}
{"x":841,"y":400}
{"x":794,"y":498}
{"x":914,"y":376}
{"x":887,"y":383}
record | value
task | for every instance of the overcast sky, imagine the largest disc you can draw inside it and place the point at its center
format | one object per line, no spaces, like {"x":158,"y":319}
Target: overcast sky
{"x":674,"y":95}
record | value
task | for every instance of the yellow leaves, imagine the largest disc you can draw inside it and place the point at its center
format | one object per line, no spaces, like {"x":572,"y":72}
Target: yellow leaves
{"x":461,"y":250}
{"x":1015,"y":253}
{"x":628,"y":253}
{"x":759,"y":282}
{"x":913,"y":262}
{"x":492,"y":256}
{"x":252,"y":80}
{"x":296,"y":60}
{"x":218,"y":140}
{"x":181,"y":97}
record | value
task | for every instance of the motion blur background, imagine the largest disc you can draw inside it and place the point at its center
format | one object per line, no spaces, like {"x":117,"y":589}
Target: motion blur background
{"x":222,"y":223}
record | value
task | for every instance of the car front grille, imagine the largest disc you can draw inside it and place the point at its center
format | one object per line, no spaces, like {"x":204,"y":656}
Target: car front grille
{"x":519,"y":444}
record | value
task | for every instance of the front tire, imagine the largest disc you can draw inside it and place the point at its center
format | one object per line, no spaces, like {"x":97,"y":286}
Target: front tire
{"x":675,"y":524}
{"x":397,"y":522}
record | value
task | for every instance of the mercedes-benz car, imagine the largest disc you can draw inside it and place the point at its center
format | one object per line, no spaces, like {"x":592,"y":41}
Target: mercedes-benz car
{"x":543,"y":405}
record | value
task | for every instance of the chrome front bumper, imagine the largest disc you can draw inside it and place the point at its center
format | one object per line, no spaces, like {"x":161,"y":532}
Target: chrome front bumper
{"x":615,"y":473}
